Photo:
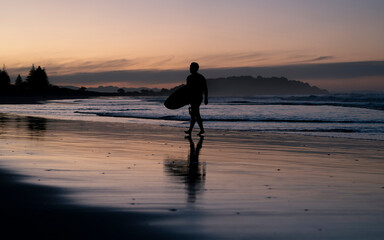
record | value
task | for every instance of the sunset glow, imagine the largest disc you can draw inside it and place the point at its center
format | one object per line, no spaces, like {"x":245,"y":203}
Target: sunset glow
{"x":68,"y":37}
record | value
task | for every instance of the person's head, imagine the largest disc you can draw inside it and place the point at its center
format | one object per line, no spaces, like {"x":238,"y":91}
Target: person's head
{"x":194,"y":67}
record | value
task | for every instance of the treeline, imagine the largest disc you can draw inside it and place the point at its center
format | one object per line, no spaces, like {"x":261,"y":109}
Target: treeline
{"x":37,"y":85}
{"x":36,"y":82}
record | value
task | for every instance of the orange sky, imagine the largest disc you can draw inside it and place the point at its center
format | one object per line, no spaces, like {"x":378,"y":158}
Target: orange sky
{"x":91,"y":36}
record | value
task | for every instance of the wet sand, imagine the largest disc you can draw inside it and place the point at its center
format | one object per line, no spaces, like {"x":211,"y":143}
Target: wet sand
{"x":77,"y":179}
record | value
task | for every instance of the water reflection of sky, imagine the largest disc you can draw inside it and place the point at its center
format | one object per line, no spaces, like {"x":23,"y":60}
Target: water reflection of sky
{"x":35,"y":126}
{"x":255,"y":183}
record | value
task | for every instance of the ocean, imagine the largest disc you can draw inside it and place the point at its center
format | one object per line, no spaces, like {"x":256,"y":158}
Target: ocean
{"x":335,"y":115}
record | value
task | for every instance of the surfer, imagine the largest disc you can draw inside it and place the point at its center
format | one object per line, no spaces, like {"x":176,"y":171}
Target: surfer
{"x":197,"y":87}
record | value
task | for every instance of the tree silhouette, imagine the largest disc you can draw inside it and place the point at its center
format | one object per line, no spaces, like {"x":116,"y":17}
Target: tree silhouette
{"x":19,"y":81}
{"x":5,"y":80}
{"x":37,"y":79}
{"x":120,"y":91}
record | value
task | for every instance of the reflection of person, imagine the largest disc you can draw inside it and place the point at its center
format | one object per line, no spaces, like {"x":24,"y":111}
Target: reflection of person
{"x":196,"y":172}
{"x":197,"y":86}
{"x":191,"y":172}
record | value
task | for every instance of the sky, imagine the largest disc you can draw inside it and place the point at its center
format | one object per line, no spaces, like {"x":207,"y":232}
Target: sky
{"x":129,"y":43}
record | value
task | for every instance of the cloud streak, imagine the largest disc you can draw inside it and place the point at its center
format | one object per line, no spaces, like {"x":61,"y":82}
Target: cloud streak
{"x":322,"y":58}
{"x":335,"y":71}
{"x":56,"y":67}
{"x":315,"y":71}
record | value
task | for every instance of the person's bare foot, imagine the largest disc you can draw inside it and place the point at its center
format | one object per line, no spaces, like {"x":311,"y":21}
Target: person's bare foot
{"x":188,"y":132}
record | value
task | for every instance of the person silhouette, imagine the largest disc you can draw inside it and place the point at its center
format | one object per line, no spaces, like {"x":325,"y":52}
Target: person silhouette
{"x":197,"y":85}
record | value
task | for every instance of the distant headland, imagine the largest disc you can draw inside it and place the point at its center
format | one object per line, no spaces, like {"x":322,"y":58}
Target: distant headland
{"x":231,"y":86}
{"x":36,"y":87}
{"x":250,"y":86}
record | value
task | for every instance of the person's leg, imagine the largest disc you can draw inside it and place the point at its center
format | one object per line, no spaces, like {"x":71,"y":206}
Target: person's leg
{"x":193,"y":120}
{"x":198,"y":119}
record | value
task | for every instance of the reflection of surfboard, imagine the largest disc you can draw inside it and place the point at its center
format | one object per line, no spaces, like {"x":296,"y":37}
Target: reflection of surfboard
{"x":178,"y":99}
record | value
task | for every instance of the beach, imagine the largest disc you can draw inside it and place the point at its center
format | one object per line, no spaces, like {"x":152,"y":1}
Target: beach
{"x":65,"y":179}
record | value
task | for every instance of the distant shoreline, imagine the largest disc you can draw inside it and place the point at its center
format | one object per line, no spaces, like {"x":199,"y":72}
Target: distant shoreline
{"x":36,"y":99}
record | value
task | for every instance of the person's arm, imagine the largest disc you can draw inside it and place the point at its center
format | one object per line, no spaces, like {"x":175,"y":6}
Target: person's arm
{"x":205,"y":91}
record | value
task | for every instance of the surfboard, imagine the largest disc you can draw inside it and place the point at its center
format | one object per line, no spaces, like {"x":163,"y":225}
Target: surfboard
{"x":178,"y":99}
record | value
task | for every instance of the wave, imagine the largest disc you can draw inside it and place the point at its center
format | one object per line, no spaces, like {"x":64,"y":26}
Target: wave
{"x":368,"y":101}
{"x":335,"y":130}
{"x":367,"y":105}
{"x":210,"y":119}
{"x":377,"y":98}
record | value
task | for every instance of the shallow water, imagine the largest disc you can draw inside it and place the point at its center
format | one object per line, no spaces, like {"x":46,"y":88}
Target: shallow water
{"x":350,"y":116}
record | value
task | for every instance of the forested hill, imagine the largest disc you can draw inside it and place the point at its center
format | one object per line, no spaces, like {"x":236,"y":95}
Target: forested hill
{"x":248,"y":85}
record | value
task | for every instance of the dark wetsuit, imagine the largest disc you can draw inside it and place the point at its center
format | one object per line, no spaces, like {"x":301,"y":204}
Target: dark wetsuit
{"x":197,"y":86}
